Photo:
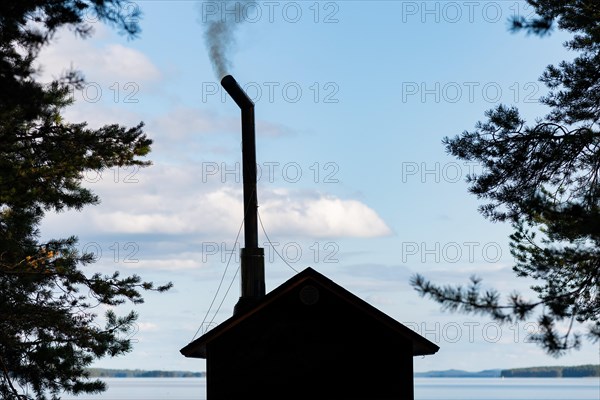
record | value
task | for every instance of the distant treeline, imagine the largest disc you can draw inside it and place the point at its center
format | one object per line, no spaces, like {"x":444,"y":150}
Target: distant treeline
{"x":579,"y":371}
{"x":138,"y":373}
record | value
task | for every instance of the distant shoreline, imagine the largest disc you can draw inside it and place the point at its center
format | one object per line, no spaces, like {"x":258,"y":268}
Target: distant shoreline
{"x":139,"y":373}
{"x":578,"y":371}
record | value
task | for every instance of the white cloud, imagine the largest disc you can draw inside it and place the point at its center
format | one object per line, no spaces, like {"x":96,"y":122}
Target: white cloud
{"x":220,"y":211}
{"x":320,"y":216}
{"x":171,"y":213}
{"x":168,"y":200}
{"x":120,"y":62}
{"x":108,"y":63}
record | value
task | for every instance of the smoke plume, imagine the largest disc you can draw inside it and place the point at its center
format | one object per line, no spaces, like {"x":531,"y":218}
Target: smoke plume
{"x":221,"y":19}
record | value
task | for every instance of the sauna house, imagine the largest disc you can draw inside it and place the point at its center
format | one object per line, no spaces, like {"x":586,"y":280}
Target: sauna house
{"x":309,"y":338}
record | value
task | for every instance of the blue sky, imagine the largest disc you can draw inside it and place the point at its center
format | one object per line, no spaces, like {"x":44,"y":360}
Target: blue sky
{"x":352,"y":101}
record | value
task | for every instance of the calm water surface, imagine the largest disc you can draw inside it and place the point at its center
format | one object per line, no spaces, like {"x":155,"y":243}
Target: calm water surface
{"x":425,"y":389}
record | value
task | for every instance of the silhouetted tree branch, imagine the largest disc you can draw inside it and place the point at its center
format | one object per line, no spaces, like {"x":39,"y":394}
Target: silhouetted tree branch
{"x":49,"y":332}
{"x":543,"y":179}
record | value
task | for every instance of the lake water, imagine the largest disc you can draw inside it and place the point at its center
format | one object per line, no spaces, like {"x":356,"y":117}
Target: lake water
{"x":425,"y":389}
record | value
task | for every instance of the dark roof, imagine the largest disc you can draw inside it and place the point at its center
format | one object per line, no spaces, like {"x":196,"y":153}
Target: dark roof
{"x":421,"y":346}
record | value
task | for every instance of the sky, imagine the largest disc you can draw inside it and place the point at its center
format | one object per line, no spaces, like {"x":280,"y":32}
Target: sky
{"x":352,"y":101}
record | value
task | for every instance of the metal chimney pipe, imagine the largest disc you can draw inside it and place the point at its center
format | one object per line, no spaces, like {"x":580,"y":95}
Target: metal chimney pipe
{"x":252,"y":257}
